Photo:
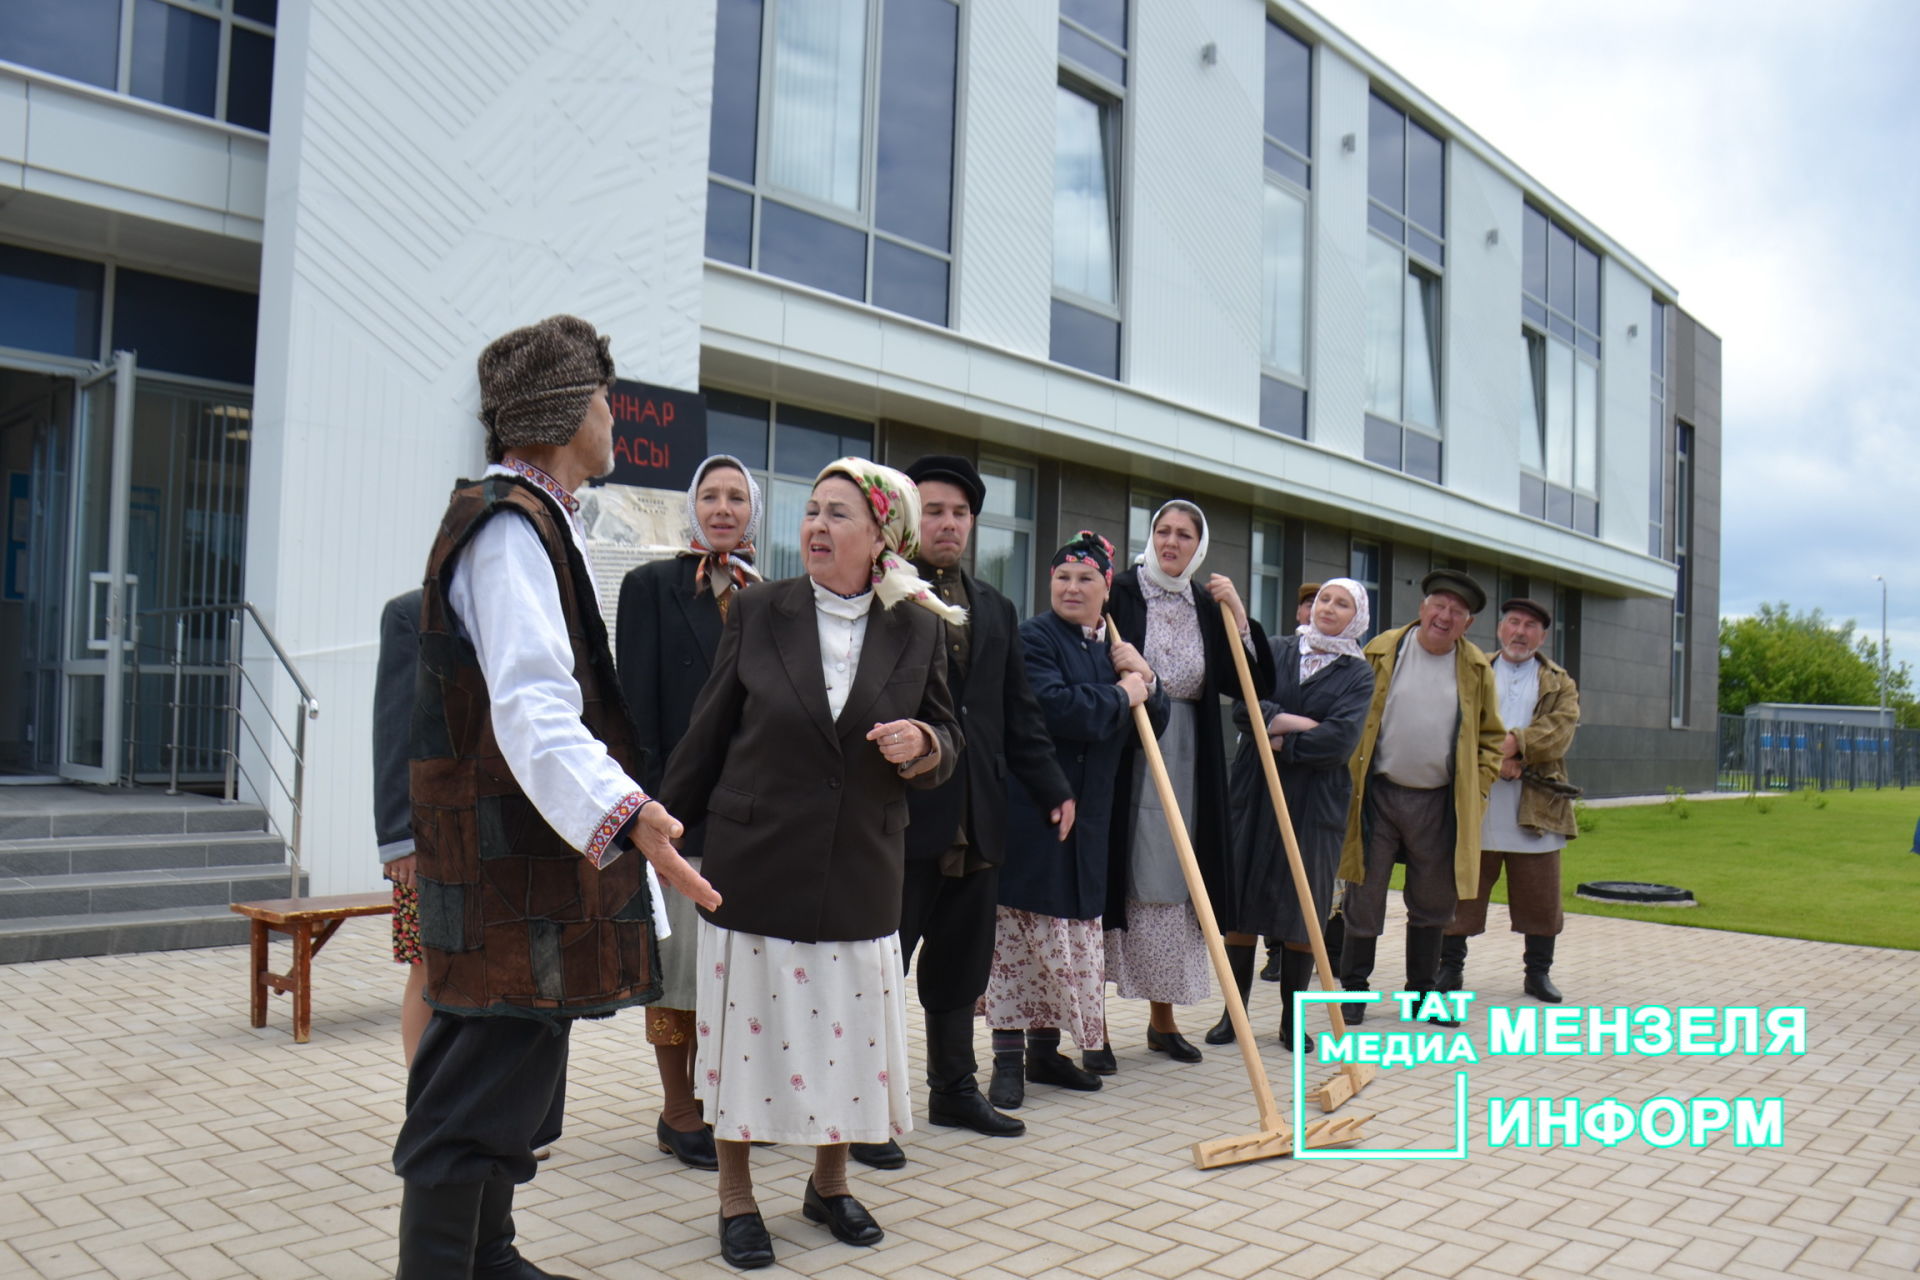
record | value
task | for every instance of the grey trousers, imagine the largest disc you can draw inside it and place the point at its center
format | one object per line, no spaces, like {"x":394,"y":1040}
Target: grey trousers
{"x":1397,"y":822}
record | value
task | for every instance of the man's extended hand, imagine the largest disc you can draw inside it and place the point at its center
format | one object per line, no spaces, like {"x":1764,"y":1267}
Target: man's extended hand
{"x":653,"y":833}
{"x":1063,"y":818}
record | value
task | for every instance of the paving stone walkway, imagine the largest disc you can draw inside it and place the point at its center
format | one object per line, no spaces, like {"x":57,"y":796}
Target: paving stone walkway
{"x":146,"y":1130}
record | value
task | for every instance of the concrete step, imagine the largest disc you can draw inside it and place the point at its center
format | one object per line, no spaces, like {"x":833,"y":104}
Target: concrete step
{"x":39,"y":813}
{"x":87,"y":855}
{"x":122,"y":932}
{"x":111,"y":892}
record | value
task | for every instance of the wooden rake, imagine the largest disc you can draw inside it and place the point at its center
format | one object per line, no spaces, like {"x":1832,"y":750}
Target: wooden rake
{"x":1275,"y":1136}
{"x":1353,"y":1077}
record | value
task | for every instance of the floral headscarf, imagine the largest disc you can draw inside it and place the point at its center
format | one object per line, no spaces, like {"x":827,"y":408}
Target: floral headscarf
{"x":1088,"y":547}
{"x":1150,"y":564}
{"x":1318,"y":650}
{"x":722,"y":570}
{"x":895,"y":503}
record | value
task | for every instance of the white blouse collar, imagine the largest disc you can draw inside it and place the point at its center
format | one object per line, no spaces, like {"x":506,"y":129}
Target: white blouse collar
{"x":834,"y":604}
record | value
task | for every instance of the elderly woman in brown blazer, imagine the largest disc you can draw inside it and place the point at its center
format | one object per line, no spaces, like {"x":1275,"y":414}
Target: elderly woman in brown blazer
{"x":828,"y":699}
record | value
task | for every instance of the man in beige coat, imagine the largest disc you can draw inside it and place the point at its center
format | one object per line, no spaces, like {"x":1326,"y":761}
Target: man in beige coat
{"x":1428,"y":756}
{"x":1530,"y":811}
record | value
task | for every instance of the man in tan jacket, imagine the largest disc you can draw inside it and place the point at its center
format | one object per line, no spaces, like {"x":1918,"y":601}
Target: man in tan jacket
{"x":1428,"y":755}
{"x":1530,"y":810}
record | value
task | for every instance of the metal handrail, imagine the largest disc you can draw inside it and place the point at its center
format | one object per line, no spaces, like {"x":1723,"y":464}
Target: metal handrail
{"x":309,"y":709}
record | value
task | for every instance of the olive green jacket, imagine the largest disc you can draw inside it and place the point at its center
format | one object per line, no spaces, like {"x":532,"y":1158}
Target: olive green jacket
{"x":1476,"y":756}
{"x":1544,"y":742}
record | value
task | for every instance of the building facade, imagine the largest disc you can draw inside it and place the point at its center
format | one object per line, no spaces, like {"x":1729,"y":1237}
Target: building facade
{"x":1116,"y":251}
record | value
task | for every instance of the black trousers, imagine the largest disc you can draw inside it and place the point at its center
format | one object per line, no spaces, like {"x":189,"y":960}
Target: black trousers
{"x":953,"y":915}
{"x":483,"y":1095}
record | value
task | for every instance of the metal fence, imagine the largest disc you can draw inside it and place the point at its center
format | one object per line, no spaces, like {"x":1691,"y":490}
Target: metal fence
{"x":1787,"y":755}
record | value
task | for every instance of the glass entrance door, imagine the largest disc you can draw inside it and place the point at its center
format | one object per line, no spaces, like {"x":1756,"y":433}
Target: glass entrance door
{"x":102,"y":597}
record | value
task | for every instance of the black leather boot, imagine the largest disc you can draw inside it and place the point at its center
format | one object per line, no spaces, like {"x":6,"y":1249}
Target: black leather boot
{"x":953,"y":1096}
{"x":494,"y":1257}
{"x":1240,"y":961}
{"x":1453,"y":964}
{"x":1008,"y":1088}
{"x":1334,"y":935}
{"x":1270,"y":971}
{"x":1356,"y":966}
{"x":1539,"y":959}
{"x":1423,"y":959}
{"x":1296,"y":970}
{"x":438,"y":1229}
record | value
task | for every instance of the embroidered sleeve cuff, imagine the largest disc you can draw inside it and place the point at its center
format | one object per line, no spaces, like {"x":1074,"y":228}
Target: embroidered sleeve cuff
{"x":602,"y":848}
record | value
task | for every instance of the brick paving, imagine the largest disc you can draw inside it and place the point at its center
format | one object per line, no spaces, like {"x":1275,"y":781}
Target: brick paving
{"x":146,"y":1130}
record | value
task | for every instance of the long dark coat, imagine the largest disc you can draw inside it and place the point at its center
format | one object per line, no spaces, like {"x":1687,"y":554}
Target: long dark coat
{"x":1091,"y":723}
{"x":1211,"y":823}
{"x":664,"y":647}
{"x":1317,"y":787}
{"x":1006,"y":739}
{"x":806,"y":820}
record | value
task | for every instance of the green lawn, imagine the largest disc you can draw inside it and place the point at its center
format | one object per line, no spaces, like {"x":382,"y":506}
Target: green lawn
{"x":1786,"y":864}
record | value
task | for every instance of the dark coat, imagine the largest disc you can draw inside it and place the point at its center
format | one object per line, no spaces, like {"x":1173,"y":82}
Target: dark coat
{"x":1004,"y":732}
{"x":1091,"y":724}
{"x":806,"y":820}
{"x":1317,"y":786}
{"x":664,"y":644}
{"x":1211,"y":822}
{"x":393,"y":685}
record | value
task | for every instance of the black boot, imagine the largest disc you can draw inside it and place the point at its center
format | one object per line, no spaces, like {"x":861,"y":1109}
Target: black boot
{"x":1453,"y":964}
{"x":1270,"y":971}
{"x":1356,"y":966}
{"x":1334,"y":935}
{"x":1296,"y":970}
{"x":953,"y":1096}
{"x":1539,"y":959}
{"x":1423,"y":959}
{"x":438,"y":1228}
{"x":1008,"y":1088}
{"x":494,"y":1257}
{"x":1240,"y":961}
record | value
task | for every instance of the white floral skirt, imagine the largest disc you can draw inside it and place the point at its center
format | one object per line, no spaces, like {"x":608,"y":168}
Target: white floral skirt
{"x":1047,"y":972}
{"x":802,"y":1042}
{"x":1160,"y":955}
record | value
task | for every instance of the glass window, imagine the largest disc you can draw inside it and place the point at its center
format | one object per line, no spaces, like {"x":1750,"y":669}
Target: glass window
{"x":812,"y":251}
{"x":1533,"y":270}
{"x":1560,"y":309}
{"x":1386,"y":318}
{"x":1085,"y":340}
{"x":819,"y":97}
{"x":1140,"y":509}
{"x":1533,"y":400}
{"x":1586,"y":426}
{"x":736,"y":91}
{"x":1426,"y":180}
{"x":1559,"y":448}
{"x":267,"y":11}
{"x":78,"y":39}
{"x":180,"y":326}
{"x":910,"y":282}
{"x":1083,"y":229}
{"x":1586,"y":289}
{"x":176,"y":57}
{"x":1079,"y":47}
{"x":1406,"y":186}
{"x":913,"y":175}
{"x":50,"y":303}
{"x":1422,"y":406}
{"x":729,"y":225}
{"x":1289,"y":104}
{"x":1285,"y":271}
{"x":1386,"y":154}
{"x":1283,"y":408}
{"x":1364,"y":562}
{"x":737,"y":425}
{"x":1003,"y":532}
{"x":1104,"y":18}
{"x":1560,"y":270}
{"x":250,"y":79}
{"x":1270,"y":604}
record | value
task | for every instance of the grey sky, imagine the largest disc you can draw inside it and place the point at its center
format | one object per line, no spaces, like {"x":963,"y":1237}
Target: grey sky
{"x":1760,"y":156}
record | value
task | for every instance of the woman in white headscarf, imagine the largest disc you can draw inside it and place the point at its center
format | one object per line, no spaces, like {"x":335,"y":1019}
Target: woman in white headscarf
{"x":671,"y":613}
{"x":1155,"y":949}
{"x":1314,"y":719}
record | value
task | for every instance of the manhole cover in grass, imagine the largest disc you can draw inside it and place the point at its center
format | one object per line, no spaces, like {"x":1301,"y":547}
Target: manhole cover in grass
{"x":1636,"y":893}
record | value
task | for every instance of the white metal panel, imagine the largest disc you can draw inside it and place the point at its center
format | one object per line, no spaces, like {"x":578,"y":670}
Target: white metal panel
{"x":13,"y":128}
{"x":1337,"y":329}
{"x":1193,"y":224}
{"x":441,"y":172}
{"x":115,"y":145}
{"x":1626,"y":406}
{"x":1005,"y":194}
{"x":1481,"y":290}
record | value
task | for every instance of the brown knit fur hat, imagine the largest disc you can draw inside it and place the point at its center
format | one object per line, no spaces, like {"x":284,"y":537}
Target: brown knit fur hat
{"x":536,"y":382}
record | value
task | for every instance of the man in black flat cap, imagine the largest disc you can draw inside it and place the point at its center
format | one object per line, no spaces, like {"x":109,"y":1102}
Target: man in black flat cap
{"x":1427,"y":757}
{"x":1530,"y":810}
{"x":956,"y":833}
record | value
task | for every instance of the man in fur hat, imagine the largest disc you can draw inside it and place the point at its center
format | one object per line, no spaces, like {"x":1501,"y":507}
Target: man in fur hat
{"x":536,"y":851}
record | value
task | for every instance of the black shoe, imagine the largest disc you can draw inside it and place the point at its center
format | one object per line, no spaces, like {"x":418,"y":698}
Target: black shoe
{"x":1452,"y":973}
{"x":1240,"y":964}
{"x":1099,"y":1061}
{"x":846,"y":1217}
{"x":694,"y":1150}
{"x":1541,"y":988}
{"x":878,"y":1155}
{"x":1222,"y":1031}
{"x":1355,"y":1014}
{"x":494,"y":1257}
{"x":744,"y":1241}
{"x":1050,"y":1066}
{"x":439,"y":1227}
{"x":1356,"y":966}
{"x":970,"y":1110}
{"x":1008,"y":1088}
{"x":1539,"y":959}
{"x":1173,"y":1044}
{"x":1270,"y":972}
{"x":1296,"y":970}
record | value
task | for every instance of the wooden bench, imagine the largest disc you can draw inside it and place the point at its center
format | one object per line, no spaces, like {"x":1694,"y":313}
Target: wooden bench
{"x":309,"y":922}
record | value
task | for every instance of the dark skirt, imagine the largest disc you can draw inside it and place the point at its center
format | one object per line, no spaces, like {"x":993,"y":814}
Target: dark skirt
{"x":1263,"y":900}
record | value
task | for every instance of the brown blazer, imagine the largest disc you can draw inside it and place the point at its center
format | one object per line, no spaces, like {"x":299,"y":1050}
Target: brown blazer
{"x":805,"y":820}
